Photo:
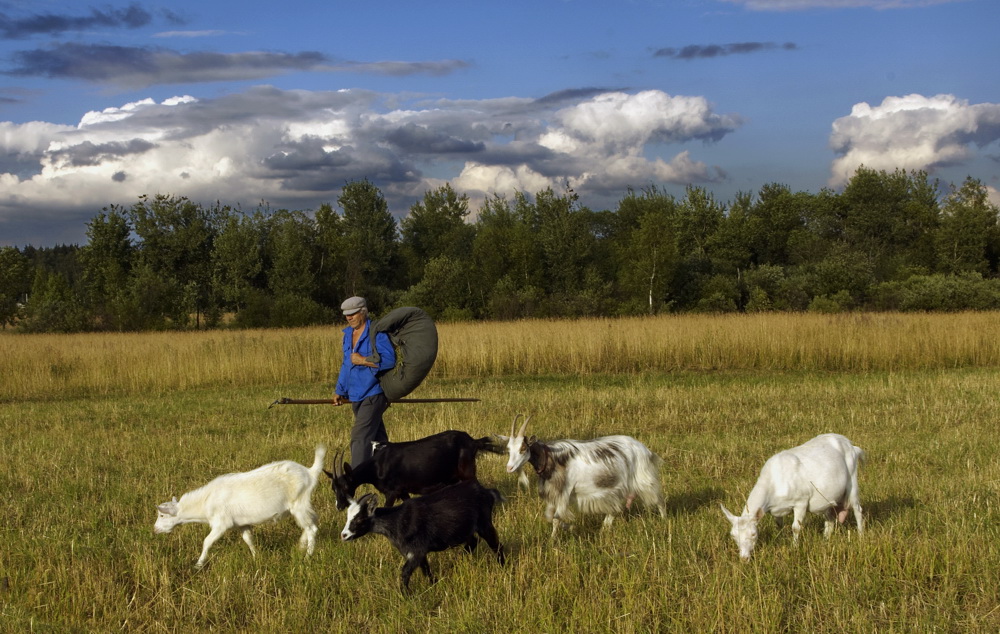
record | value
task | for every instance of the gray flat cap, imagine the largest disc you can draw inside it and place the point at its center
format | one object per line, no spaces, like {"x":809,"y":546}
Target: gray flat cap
{"x":352,"y":305}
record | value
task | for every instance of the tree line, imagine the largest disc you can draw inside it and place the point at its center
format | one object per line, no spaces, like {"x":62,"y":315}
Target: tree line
{"x":888,"y":241}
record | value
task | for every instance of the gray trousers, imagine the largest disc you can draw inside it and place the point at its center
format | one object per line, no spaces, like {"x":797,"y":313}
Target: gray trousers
{"x":368,"y":426}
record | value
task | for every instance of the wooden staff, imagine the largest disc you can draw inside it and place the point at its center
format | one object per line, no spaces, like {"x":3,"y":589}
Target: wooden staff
{"x":329,"y":401}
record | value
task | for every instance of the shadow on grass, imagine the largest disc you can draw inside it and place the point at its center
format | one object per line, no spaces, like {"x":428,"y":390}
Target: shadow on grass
{"x":688,"y":502}
{"x":878,"y":511}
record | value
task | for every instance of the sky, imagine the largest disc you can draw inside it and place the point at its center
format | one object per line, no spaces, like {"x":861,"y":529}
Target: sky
{"x":279,"y":105}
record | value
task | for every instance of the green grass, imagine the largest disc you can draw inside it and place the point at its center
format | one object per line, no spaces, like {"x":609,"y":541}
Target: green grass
{"x":82,"y":476}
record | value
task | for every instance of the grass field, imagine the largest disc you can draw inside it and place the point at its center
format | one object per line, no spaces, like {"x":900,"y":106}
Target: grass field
{"x":98,"y":429}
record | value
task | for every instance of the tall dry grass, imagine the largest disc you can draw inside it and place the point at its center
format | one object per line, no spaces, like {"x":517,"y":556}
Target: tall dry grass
{"x":767,"y":341}
{"x":53,"y":366}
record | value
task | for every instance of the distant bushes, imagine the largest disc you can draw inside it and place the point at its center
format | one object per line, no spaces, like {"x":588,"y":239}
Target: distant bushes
{"x":967,"y":291}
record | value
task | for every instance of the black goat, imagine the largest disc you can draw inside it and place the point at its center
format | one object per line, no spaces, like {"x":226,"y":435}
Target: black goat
{"x":416,"y":467}
{"x":452,"y":516}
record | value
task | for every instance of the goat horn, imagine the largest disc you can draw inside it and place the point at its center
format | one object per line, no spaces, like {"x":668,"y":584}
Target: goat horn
{"x":524,"y":426}
{"x":513,"y":425}
{"x":338,"y":470}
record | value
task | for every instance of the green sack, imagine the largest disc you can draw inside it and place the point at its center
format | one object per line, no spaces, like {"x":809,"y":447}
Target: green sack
{"x":415,"y":340}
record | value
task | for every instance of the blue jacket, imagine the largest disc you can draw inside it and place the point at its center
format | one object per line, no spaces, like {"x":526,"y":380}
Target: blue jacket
{"x":358,"y":382}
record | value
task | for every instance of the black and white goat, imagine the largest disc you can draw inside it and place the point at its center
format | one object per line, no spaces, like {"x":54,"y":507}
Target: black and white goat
{"x":416,"y":467}
{"x":457,"y":515}
{"x":603,"y":475}
{"x":245,"y":499}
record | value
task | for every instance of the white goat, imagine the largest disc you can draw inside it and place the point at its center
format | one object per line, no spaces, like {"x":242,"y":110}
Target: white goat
{"x":603,"y":475}
{"x":820,"y":476}
{"x":245,"y":499}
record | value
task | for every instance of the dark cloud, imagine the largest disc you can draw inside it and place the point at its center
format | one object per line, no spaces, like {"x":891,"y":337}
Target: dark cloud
{"x":139,"y":67}
{"x":425,"y":140}
{"x":20,"y":164}
{"x":403,"y":69}
{"x":131,"y":17}
{"x":381,"y":167}
{"x":572,"y":95}
{"x":88,"y":153}
{"x":541,"y":159}
{"x":307,"y":155}
{"x":704,"y":51}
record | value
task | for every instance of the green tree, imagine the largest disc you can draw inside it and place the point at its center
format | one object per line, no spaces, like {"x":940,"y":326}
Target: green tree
{"x":176,"y":244}
{"x":506,"y":258}
{"x":773,"y":221}
{"x":108,"y":261}
{"x":891,"y":219}
{"x":645,"y":251}
{"x":53,"y":306}
{"x":238,"y":258}
{"x":697,"y":219}
{"x":696,"y":223}
{"x":436,"y":227}
{"x":331,"y":242}
{"x":729,"y":246}
{"x":566,"y":246}
{"x":445,"y":291}
{"x":14,"y":276}
{"x":291,"y":247}
{"x":967,"y":238}
{"x":371,"y":249}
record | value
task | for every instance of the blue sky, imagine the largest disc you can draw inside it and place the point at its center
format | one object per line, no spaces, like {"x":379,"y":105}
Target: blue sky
{"x":285,"y":102}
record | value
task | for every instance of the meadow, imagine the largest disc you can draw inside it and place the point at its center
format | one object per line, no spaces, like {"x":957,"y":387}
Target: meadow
{"x":99,"y":429}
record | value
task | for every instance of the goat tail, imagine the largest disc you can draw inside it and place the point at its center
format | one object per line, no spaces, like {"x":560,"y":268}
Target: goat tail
{"x":656,"y":460}
{"x":861,"y":455}
{"x":492,"y":444}
{"x":317,"y":466}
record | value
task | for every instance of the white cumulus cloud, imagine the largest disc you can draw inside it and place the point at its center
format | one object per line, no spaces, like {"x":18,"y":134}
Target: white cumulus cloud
{"x":912,"y":132}
{"x":297,"y":148}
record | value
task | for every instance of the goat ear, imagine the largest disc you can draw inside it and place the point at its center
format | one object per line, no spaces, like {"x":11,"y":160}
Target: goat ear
{"x":532,"y":440}
{"x":729,"y":516}
{"x":368,"y":502}
{"x":168,"y":508}
{"x":347,"y":468}
{"x":759,"y":514}
{"x":328,"y":474}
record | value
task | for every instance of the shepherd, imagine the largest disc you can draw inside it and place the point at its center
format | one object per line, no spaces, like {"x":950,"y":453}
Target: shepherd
{"x":367,"y":356}
{"x":370,"y":367}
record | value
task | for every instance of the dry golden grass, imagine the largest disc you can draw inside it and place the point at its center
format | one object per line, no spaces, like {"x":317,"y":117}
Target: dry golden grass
{"x":48,"y":366}
{"x":768,"y":341}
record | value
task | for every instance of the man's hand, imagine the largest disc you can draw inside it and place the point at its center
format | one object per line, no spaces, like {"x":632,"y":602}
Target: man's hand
{"x":357,"y":359}
{"x":339,"y":400}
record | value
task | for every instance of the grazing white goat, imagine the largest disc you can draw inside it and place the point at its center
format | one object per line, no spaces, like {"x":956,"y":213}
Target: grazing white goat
{"x":603,"y":475}
{"x":245,"y":499}
{"x":819,"y":476}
